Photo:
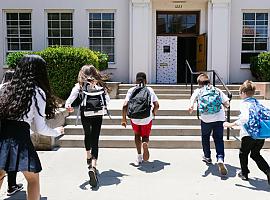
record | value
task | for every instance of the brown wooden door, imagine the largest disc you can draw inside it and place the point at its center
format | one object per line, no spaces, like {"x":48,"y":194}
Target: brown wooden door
{"x":201,"y":53}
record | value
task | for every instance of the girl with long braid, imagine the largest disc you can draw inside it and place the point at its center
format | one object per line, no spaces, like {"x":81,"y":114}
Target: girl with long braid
{"x":26,"y":99}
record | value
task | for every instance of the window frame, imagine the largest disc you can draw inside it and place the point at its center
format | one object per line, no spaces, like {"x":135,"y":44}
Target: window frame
{"x":101,"y":37}
{"x":5,"y":30}
{"x":243,"y":64}
{"x":65,"y":11}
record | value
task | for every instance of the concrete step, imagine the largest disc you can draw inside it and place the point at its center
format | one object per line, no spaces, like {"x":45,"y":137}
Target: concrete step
{"x":163,"y":112}
{"x":181,"y":91}
{"x":180,"y":86}
{"x":191,"y":142}
{"x":159,"y":120}
{"x":184,"y":96}
{"x":157,"y":130}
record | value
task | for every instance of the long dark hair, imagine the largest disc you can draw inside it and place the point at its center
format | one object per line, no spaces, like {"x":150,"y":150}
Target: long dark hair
{"x":30,"y":74}
{"x":89,"y":72}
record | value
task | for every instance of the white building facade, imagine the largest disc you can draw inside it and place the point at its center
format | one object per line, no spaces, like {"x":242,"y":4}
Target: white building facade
{"x":154,"y":36}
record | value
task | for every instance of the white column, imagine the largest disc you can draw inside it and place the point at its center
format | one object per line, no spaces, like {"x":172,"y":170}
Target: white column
{"x":2,"y":43}
{"x":140,"y":38}
{"x":80,"y":32}
{"x":219,"y":12}
{"x":39,"y":29}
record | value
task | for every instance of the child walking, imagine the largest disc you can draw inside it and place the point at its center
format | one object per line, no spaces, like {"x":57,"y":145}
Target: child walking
{"x":248,"y":144}
{"x":25,"y":100}
{"x":212,"y":119}
{"x":142,"y":123}
{"x":91,"y":124}
{"x":13,"y":187}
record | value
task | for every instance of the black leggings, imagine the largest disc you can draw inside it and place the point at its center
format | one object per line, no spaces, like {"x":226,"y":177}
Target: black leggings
{"x":249,"y":145}
{"x":91,"y":127}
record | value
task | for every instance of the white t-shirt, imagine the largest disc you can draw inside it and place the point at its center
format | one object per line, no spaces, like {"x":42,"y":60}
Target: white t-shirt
{"x":154,"y":98}
{"x":207,"y":118}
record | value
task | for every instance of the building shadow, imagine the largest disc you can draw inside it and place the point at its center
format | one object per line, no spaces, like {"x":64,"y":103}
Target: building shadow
{"x":256,"y":184}
{"x":21,"y":195}
{"x":213,"y":170}
{"x":105,"y":178}
{"x":151,"y":167}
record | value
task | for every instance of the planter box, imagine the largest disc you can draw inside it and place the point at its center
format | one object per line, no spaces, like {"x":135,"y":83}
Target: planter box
{"x":114,"y":86}
{"x":264,"y":88}
{"x":42,"y":142}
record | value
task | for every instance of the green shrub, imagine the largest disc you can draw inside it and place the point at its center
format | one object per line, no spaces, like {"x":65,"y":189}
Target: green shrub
{"x":260,"y":66}
{"x":102,"y":60}
{"x":14,"y":57}
{"x":64,"y":63}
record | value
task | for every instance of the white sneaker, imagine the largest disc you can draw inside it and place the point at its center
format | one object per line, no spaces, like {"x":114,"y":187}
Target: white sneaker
{"x":139,"y":159}
{"x":221,"y":167}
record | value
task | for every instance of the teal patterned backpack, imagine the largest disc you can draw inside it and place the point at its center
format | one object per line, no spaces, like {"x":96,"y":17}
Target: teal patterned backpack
{"x":209,"y":100}
{"x":258,"y":125}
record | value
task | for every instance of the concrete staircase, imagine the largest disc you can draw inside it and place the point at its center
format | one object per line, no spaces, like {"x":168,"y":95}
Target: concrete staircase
{"x":174,"y":127}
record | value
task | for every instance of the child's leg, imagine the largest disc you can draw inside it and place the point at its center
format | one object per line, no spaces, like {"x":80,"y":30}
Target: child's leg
{"x":2,"y":176}
{"x":247,"y":143}
{"x":218,"y":139}
{"x":138,"y":142}
{"x":206,"y":130}
{"x":256,"y":156}
{"x":87,"y":131}
{"x":33,"y":187}
{"x":145,"y":131}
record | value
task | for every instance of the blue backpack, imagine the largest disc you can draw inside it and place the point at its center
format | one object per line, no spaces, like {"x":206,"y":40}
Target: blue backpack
{"x":209,"y":101}
{"x":258,"y":125}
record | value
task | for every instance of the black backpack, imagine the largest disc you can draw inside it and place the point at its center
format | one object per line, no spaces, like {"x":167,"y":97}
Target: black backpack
{"x":93,"y":101}
{"x":139,"y":104}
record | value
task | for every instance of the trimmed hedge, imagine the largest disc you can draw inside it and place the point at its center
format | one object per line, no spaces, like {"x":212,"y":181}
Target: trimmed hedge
{"x":64,"y":64}
{"x":14,"y":57}
{"x":260,"y":66}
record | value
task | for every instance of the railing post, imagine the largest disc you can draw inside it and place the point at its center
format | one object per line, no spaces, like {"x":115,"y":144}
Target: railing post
{"x":191,"y":84}
{"x":228,"y":120}
{"x":214,"y":78}
{"x":186,"y":73}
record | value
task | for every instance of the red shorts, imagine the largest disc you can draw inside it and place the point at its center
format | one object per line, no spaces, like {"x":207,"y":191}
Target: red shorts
{"x":143,"y":130}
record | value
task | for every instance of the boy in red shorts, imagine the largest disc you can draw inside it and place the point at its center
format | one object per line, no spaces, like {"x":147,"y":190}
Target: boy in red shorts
{"x":141,"y":120}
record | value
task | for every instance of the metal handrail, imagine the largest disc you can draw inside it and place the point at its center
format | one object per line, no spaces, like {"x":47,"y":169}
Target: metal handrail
{"x":215,"y":74}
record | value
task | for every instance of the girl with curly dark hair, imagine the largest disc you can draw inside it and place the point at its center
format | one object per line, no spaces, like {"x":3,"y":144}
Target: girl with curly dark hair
{"x":91,"y":124}
{"x":26,"y":99}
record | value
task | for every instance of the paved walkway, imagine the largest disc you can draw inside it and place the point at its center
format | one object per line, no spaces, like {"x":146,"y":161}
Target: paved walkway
{"x":171,"y":174}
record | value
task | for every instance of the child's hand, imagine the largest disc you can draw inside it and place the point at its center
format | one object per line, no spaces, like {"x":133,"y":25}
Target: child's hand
{"x":190,"y":109}
{"x":124,"y":123}
{"x":228,"y":125}
{"x":60,"y":130}
{"x":70,"y":109}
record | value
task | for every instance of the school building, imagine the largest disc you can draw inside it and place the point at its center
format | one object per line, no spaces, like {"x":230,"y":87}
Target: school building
{"x":154,"y":36}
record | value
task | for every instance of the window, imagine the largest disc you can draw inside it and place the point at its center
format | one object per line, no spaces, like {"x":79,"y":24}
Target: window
{"x":60,"y":29}
{"x":254,"y":35}
{"x":19,"y":33}
{"x":177,"y":23}
{"x":101,"y":33}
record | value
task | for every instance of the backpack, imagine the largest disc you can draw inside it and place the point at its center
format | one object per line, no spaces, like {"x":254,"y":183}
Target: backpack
{"x":93,"y":102}
{"x":258,"y":125}
{"x":139,"y":104}
{"x":209,"y":101}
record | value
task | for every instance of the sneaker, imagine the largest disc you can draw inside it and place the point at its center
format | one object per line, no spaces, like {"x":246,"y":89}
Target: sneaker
{"x":207,"y":160}
{"x":93,"y":177}
{"x":146,"y":154}
{"x":244,"y":177}
{"x":14,"y":189}
{"x":89,"y":162}
{"x":221,"y":167}
{"x":268,"y":176}
{"x":139,"y":159}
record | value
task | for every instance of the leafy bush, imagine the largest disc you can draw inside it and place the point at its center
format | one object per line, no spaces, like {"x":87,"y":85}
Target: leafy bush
{"x":102,"y":60}
{"x":14,"y":57}
{"x":64,"y":64}
{"x":260,"y":66}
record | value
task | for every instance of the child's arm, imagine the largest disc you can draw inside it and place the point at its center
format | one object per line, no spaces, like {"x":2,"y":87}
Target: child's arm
{"x":124,"y":114}
{"x":192,"y":100}
{"x":156,"y":107}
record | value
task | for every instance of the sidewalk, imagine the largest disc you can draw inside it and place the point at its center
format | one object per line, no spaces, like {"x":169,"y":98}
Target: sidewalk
{"x":171,"y":174}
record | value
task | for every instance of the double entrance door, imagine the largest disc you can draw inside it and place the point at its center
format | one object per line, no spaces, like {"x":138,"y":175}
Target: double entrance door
{"x":178,"y":40}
